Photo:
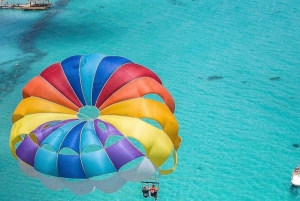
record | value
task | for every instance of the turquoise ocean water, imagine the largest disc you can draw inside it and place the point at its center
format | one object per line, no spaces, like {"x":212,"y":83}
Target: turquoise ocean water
{"x":233,"y":69}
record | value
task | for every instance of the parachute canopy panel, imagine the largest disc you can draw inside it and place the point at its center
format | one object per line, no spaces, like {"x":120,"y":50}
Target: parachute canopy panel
{"x":82,"y":119}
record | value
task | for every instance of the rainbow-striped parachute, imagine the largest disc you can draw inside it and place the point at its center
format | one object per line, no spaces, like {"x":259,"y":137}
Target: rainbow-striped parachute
{"x":87,"y":123}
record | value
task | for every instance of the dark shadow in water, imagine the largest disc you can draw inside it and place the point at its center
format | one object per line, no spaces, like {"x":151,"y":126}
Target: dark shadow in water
{"x":20,"y":66}
{"x":296,"y":145}
{"x":215,"y":77}
{"x":274,"y":78}
{"x":27,"y":42}
{"x":295,"y":191}
{"x":175,"y":2}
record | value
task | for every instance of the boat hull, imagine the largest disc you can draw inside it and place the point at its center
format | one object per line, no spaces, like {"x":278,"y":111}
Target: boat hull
{"x":295,"y":180}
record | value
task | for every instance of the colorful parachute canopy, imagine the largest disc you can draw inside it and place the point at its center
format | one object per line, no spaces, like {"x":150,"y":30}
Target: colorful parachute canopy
{"x":82,"y":125}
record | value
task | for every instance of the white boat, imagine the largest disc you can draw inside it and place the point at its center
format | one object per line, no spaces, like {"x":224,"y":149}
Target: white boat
{"x":295,"y":179}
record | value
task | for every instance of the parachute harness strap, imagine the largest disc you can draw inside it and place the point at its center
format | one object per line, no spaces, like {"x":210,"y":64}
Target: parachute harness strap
{"x":169,"y":171}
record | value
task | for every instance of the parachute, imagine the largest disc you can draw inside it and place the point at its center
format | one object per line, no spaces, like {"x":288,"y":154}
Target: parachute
{"x":82,"y":121}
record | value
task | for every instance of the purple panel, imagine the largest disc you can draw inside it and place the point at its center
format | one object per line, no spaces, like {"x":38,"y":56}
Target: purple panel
{"x":41,"y":133}
{"x":122,"y":152}
{"x":27,"y":150}
{"x":103,"y":135}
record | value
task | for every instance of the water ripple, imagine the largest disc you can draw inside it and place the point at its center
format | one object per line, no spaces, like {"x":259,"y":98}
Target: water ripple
{"x":16,"y":68}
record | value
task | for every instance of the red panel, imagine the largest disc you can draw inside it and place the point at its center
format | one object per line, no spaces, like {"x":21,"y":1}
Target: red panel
{"x":56,"y":77}
{"x":138,"y":88}
{"x":123,"y":75}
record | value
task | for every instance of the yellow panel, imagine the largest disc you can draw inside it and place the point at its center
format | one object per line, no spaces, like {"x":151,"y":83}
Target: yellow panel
{"x":29,"y":123}
{"x":157,"y":144}
{"x":146,"y":108}
{"x":34,"y":105}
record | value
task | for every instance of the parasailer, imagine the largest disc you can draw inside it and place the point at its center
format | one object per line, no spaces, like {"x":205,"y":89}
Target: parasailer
{"x":81,"y":125}
{"x":153,"y":190}
{"x":145,"y":190}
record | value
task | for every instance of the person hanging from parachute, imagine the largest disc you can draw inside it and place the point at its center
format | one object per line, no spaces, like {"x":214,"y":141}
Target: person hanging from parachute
{"x":145,"y":190}
{"x":153,"y":190}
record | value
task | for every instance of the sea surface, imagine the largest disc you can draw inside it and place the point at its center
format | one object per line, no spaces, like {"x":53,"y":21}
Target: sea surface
{"x":233,"y":68}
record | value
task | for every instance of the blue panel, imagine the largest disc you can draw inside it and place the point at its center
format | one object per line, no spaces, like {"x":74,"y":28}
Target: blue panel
{"x":56,"y":138}
{"x":71,"y":69}
{"x":45,"y":162}
{"x":72,"y":139}
{"x":88,"y":67}
{"x":107,"y":66}
{"x":97,"y":163}
{"x":69,"y":166}
{"x":89,"y":136}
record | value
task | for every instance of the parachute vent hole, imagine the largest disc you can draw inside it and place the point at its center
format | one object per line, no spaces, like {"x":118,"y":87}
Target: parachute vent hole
{"x":17,"y":144}
{"x":49,"y":124}
{"x":67,"y":151}
{"x":22,"y":136}
{"x":46,"y":126}
{"x":102,"y":126}
{"x":113,"y":139}
{"x":88,"y":112}
{"x":132,"y":164}
{"x":152,"y":122}
{"x":137,"y":145}
{"x":91,"y":148}
{"x":33,"y":138}
{"x":48,"y":148}
{"x":154,"y":97}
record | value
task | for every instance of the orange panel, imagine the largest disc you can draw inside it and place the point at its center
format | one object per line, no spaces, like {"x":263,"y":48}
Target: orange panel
{"x":39,"y":87}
